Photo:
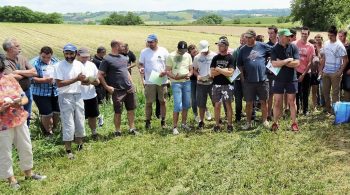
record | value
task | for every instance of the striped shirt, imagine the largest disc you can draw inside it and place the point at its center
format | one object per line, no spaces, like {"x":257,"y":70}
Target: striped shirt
{"x":43,"y":89}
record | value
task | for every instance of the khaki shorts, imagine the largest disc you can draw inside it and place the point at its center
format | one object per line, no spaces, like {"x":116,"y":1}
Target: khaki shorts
{"x":152,"y":91}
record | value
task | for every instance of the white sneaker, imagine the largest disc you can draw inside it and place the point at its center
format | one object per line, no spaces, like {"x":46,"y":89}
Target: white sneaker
{"x":100,"y":121}
{"x":70,"y":156}
{"x":247,"y":126}
{"x":266,"y":124}
{"x":197,"y":119}
{"x":208,"y":115}
{"x":185,"y":127}
{"x":175,"y":131}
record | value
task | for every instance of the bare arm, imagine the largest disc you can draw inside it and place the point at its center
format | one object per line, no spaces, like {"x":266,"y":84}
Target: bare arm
{"x":63,"y":83}
{"x":214,"y":72}
{"x":42,"y":80}
{"x":293,"y":64}
{"x":101,"y":77}
{"x":26,"y":73}
{"x":225,"y":71}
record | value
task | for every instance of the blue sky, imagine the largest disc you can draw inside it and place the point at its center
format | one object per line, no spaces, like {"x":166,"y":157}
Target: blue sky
{"x":65,"y":6}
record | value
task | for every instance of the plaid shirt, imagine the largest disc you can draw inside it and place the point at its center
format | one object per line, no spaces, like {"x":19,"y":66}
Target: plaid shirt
{"x":43,"y":89}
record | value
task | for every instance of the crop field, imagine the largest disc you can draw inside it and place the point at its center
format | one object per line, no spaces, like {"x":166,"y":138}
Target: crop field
{"x":314,"y":161}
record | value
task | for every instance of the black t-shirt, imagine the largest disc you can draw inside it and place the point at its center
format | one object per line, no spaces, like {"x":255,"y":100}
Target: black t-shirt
{"x":286,"y":74}
{"x":347,"y":67}
{"x":193,"y":77}
{"x":221,"y":61}
{"x":97,"y":61}
{"x":116,"y":69}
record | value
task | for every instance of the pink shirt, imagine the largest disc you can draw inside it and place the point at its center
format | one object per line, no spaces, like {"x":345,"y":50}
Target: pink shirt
{"x":306,"y":52}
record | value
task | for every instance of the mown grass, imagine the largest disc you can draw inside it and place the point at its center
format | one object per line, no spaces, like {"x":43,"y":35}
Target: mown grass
{"x":314,"y":161}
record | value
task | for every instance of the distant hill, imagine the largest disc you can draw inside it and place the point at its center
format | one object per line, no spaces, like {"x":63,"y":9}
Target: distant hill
{"x":176,"y":17}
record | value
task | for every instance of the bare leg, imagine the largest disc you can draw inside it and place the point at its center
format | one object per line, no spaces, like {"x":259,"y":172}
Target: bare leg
{"x":229,"y":112}
{"x":117,"y":121}
{"x":92,"y":124}
{"x":264,"y":110}
{"x":292,"y":107}
{"x":184,"y":116}
{"x":175,"y":119}
{"x":131,"y":119}
{"x":47,"y":122}
{"x":217,"y":113}
{"x":201,"y":113}
{"x":277,"y":108}
{"x":249,"y":111}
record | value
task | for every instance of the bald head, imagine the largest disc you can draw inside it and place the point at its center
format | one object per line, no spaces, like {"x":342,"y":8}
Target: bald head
{"x":117,"y":46}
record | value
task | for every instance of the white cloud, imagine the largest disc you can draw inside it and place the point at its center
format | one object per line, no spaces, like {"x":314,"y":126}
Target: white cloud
{"x":65,"y":6}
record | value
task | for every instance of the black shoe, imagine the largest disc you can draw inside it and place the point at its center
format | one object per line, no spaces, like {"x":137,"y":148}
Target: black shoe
{"x":162,"y":124}
{"x":133,"y":132}
{"x":216,"y":128}
{"x":201,"y":125}
{"x":117,"y":133}
{"x":80,"y":147}
{"x":148,"y":124}
{"x":229,"y":128}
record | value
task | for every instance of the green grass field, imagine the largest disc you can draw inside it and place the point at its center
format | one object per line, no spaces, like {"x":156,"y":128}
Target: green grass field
{"x":314,"y":161}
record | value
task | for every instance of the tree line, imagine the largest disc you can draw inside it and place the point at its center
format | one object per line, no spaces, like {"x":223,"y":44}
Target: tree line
{"x":25,"y":15}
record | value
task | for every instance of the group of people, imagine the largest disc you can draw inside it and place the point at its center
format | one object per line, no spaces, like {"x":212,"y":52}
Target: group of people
{"x":275,"y":77}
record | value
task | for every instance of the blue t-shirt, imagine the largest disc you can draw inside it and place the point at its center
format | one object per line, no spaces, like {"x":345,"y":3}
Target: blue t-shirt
{"x":253,"y":61}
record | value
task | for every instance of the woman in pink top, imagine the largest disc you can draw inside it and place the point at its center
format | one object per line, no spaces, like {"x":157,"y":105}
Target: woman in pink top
{"x":14,"y":129}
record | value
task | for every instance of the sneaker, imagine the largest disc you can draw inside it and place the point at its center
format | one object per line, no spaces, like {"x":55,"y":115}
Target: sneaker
{"x":94,"y":136}
{"x":148,"y":124}
{"x":216,"y":128}
{"x":70,"y":156}
{"x":274,"y":127}
{"x":133,"y":131}
{"x":80,"y":147}
{"x":100,"y":121}
{"x":185,"y":127}
{"x":175,"y":131}
{"x":117,"y":133}
{"x":295,"y":127}
{"x":201,"y":125}
{"x":197,"y":119}
{"x":15,"y":185}
{"x":208,"y":115}
{"x":247,"y":126}
{"x":269,"y":118}
{"x":163,"y":124}
{"x":37,"y":177}
{"x":229,"y":128}
{"x":266,"y":124}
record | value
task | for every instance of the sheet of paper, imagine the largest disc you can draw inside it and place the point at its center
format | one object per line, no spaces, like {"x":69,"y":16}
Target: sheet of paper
{"x":274,"y":70}
{"x":155,"y":79}
{"x":235,"y":75}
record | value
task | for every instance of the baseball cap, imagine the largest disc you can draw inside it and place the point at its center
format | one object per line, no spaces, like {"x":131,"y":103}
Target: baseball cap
{"x":69,"y":47}
{"x":152,"y":37}
{"x":182,"y":45}
{"x":285,"y":32}
{"x":203,"y":46}
{"x":84,"y":52}
{"x":223,"y":40}
{"x":250,"y":33}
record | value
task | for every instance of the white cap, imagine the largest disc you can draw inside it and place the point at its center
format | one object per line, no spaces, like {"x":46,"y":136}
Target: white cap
{"x":203,"y":46}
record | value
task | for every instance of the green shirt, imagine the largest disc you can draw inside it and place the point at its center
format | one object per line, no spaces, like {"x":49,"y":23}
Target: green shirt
{"x":179,"y":64}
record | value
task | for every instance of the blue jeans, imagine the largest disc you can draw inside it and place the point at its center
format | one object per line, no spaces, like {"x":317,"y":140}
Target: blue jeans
{"x":194,"y":97}
{"x":28,"y":107}
{"x":182,"y":95}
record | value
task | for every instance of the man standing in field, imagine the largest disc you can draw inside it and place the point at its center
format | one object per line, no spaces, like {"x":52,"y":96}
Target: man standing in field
{"x":222,"y":67}
{"x":342,"y":37}
{"x":116,"y":79}
{"x":306,"y":52}
{"x":69,"y":74}
{"x":334,"y":60}
{"x":88,"y":91}
{"x":179,"y":70}
{"x":131,"y":56}
{"x":153,"y":59}
{"x":201,"y":68}
{"x":101,"y":92}
{"x":19,"y":67}
{"x":285,"y":55}
{"x":251,"y":61}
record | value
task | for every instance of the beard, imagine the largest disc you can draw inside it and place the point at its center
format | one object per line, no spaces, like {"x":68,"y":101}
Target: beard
{"x":70,"y":59}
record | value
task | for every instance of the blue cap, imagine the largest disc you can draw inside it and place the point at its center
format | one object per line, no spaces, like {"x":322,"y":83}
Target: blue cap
{"x":70,"y":47}
{"x":152,"y":37}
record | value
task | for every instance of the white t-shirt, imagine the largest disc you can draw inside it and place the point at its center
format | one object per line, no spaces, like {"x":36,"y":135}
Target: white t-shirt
{"x":203,"y":62}
{"x":66,"y":71}
{"x":154,"y":61}
{"x":89,"y":91}
{"x":334,"y":53}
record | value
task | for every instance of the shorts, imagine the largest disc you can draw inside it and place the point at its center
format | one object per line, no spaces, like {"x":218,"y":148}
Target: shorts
{"x":202,"y":95}
{"x":91,"y":108}
{"x":313,"y":79}
{"x":121,"y":97}
{"x":151,"y":92}
{"x":222,"y":93}
{"x":253,"y":90}
{"x":182,"y":95}
{"x":72,"y":116}
{"x":285,"y":87}
{"x":47,"y":105}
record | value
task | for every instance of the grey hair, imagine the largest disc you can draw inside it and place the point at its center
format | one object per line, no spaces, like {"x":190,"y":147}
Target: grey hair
{"x":8,"y":43}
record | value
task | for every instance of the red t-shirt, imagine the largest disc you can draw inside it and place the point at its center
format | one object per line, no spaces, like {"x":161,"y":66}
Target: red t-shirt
{"x":306,"y":52}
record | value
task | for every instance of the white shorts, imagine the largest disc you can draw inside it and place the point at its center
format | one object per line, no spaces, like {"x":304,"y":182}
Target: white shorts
{"x":72,"y":116}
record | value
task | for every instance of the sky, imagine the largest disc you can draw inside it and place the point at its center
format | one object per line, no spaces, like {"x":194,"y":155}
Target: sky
{"x":65,"y":6}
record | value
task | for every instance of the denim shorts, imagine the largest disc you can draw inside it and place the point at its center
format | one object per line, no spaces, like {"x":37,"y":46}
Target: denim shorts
{"x":182,"y":95}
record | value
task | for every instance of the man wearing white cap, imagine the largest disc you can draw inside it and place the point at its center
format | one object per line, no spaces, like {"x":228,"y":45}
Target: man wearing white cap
{"x":201,"y":67}
{"x":88,"y":91}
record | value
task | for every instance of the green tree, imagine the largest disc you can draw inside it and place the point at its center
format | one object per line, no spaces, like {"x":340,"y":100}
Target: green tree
{"x":117,"y":19}
{"x":210,"y":19}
